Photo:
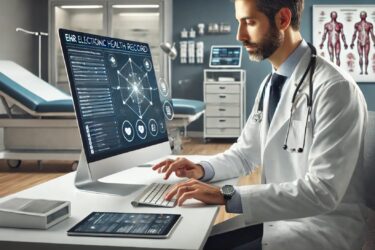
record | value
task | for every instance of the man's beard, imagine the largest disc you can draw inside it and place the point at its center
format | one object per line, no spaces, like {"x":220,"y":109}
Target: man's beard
{"x":271,"y":42}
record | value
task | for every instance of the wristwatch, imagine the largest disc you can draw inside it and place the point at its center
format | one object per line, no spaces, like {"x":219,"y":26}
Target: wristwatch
{"x":227,"y":191}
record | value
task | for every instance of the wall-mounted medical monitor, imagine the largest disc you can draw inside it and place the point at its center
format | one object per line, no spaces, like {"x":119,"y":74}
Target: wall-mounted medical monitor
{"x":225,"y":56}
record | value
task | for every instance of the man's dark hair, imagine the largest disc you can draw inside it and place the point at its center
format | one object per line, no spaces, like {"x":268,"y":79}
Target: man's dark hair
{"x":271,"y":7}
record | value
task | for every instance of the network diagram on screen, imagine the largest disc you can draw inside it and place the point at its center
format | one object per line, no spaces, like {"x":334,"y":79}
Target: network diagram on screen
{"x":117,"y":103}
{"x":135,"y":87}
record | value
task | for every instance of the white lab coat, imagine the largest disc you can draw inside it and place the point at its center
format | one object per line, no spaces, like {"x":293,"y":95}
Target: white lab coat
{"x":312,"y":200}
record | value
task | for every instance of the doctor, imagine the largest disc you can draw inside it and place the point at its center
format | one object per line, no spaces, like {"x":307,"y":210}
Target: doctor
{"x":309,"y":146}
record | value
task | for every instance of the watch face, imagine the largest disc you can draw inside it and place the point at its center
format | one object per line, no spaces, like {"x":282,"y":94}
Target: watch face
{"x":228,"y":191}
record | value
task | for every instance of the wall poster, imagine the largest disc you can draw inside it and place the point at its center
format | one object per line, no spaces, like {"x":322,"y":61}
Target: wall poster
{"x":345,"y":35}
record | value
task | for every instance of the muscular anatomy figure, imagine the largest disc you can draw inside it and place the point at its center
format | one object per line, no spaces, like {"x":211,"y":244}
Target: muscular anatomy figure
{"x":364,"y":29}
{"x":334,"y":29}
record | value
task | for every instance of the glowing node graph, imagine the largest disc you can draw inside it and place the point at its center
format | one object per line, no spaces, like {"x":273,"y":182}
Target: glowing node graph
{"x":135,"y":88}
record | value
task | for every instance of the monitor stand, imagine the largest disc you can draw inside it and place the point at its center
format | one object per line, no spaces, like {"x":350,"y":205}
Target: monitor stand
{"x":84,"y":181}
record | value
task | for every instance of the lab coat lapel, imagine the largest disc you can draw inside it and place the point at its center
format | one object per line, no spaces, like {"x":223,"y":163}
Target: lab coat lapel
{"x":264,"y":124}
{"x":282,"y":112}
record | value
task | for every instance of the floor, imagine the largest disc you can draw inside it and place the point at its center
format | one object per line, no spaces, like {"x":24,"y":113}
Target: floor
{"x":30,"y":174}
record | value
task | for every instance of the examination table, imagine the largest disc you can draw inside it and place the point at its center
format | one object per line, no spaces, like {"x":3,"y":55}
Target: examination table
{"x":38,"y":120}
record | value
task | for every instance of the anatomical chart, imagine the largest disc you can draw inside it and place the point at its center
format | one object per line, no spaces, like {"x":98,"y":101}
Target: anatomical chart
{"x":344,"y":34}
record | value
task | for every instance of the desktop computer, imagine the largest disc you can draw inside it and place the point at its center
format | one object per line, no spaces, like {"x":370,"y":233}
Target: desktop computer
{"x":120,"y":115}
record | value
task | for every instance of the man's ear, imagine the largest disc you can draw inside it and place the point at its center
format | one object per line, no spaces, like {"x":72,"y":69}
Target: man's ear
{"x":283,"y":18}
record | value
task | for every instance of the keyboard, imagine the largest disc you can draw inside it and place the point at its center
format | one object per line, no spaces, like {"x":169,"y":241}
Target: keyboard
{"x":153,"y":196}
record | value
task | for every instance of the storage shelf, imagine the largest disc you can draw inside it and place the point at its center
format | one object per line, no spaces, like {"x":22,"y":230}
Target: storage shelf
{"x":225,"y":100}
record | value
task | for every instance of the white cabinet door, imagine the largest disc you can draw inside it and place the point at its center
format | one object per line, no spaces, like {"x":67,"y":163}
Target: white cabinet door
{"x":140,"y":20}
{"x":85,"y":16}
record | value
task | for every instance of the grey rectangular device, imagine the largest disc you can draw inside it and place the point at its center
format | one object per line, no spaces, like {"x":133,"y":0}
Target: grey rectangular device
{"x":33,"y":213}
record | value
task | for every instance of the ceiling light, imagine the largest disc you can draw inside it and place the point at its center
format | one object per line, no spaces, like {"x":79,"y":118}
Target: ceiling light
{"x":136,"y":6}
{"x":81,"y":6}
{"x":139,"y":14}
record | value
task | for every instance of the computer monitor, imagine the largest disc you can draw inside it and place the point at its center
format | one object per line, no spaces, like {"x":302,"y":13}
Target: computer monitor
{"x":118,"y":108}
{"x":225,"y":56}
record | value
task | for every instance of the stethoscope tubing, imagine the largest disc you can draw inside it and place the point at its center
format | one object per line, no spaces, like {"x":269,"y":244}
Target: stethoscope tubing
{"x":309,"y":99}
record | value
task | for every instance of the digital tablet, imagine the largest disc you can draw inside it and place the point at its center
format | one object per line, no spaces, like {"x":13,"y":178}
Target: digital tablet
{"x":134,"y":225}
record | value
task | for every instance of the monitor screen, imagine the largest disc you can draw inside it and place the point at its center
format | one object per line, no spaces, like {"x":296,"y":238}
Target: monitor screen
{"x":115,"y":94}
{"x":225,"y":56}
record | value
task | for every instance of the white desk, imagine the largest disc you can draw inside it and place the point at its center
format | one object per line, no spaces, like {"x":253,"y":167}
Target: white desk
{"x":191,"y":233}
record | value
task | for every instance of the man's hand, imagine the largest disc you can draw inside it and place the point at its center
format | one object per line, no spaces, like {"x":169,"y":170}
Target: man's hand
{"x":201,"y":191}
{"x":182,"y":167}
{"x":352,"y":45}
{"x":345,"y":46}
{"x":321,"y":46}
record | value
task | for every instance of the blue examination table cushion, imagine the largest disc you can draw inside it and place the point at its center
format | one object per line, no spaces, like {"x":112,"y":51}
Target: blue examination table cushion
{"x":41,"y":97}
{"x":187,"y":106}
{"x":31,"y":91}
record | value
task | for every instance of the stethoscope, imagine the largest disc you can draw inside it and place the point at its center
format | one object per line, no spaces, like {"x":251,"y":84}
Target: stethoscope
{"x":258,"y":116}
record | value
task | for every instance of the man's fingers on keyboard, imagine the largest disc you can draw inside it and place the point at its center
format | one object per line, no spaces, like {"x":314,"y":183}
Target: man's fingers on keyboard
{"x":170,"y":193}
{"x":185,"y":196}
{"x":158,"y":165}
{"x":179,"y":189}
{"x":173,"y":191}
{"x":166,"y":167}
{"x":179,"y":166}
{"x":181,"y":173}
{"x":172,"y":168}
{"x":161,"y":164}
{"x":170,"y":171}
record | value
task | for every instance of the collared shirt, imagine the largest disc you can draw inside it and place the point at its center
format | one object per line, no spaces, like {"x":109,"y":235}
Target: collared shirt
{"x":234,"y":205}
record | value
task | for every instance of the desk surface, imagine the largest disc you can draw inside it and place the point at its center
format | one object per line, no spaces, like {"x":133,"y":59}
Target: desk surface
{"x":191,"y":233}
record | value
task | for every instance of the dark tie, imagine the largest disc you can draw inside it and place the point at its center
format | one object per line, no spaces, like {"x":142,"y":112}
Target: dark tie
{"x":277,"y":82}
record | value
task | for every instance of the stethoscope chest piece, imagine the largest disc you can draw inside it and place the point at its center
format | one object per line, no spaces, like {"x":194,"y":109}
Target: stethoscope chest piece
{"x":258,"y":116}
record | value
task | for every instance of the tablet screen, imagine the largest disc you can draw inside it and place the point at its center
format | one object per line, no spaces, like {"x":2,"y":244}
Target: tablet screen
{"x":138,"y":225}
